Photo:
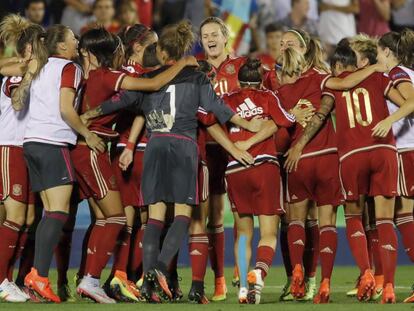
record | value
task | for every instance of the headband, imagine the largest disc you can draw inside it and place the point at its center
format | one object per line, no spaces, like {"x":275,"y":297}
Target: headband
{"x":297,"y":33}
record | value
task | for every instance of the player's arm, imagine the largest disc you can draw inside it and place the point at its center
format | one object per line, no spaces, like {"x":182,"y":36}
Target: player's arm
{"x":12,"y":66}
{"x":127,"y":155}
{"x":20,"y":96}
{"x":353,"y":79}
{"x":157,"y":82}
{"x":406,"y":107}
{"x":123,"y":100}
{"x":268,"y":129}
{"x":70,"y":116}
{"x":294,"y":153}
{"x":221,"y":138}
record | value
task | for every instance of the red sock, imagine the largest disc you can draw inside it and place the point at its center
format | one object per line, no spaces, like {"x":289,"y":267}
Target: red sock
{"x":388,"y":245}
{"x":368,"y":234}
{"x":62,"y":256}
{"x":216,"y":249}
{"x":284,"y":247}
{"x":106,"y":244}
{"x":91,"y":251}
{"x":136,"y":262}
{"x":9,"y":233}
{"x":18,"y":252}
{"x":296,"y":240}
{"x":376,"y":256}
{"x":198,"y":248}
{"x":311,"y":253}
{"x":405,"y":225}
{"x":264,"y":257}
{"x":357,"y":241}
{"x":328,"y":242}
{"x":122,"y":250}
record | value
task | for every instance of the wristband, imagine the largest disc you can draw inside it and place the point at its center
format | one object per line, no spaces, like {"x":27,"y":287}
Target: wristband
{"x":130,"y":146}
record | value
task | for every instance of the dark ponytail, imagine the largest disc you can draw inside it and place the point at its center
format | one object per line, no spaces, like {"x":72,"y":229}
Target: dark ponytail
{"x":400,"y":44}
{"x":250,"y":72}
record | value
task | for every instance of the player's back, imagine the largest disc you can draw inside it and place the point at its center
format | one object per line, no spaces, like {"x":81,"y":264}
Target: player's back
{"x":174,"y":107}
{"x":358,"y":110}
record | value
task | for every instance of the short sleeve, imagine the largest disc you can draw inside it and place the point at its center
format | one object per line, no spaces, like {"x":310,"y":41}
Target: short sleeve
{"x":385,"y":82}
{"x":278,"y":114}
{"x":12,"y":83}
{"x":398,"y":75}
{"x":324,"y":79}
{"x":71,"y":76}
{"x":206,"y":118}
{"x":113,"y":79}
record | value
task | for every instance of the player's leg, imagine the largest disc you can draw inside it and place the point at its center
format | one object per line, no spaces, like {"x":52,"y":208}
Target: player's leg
{"x":136,"y":246}
{"x":328,"y":242}
{"x":297,"y":240}
{"x":284,"y":248}
{"x":198,"y":249}
{"x":10,"y":231}
{"x":268,"y":225}
{"x":244,"y":238}
{"x":62,"y":254}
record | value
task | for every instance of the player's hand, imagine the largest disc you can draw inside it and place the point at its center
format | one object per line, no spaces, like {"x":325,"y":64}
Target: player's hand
{"x":243,"y":145}
{"x":126,"y":158}
{"x":292,"y":159}
{"x":95,"y":143}
{"x":131,"y":62}
{"x":190,"y":61}
{"x":382,"y":128}
{"x":303,"y":115}
{"x":85,"y":120}
{"x":256,"y":124}
{"x":243,"y":157}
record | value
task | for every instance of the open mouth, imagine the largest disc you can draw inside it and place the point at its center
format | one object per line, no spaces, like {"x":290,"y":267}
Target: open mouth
{"x":212,"y":45}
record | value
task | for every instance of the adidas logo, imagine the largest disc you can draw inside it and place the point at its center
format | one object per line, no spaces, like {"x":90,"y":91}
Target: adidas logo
{"x":89,"y":251}
{"x":299,"y":242}
{"x":407,"y":250}
{"x":294,"y":197}
{"x":140,"y":245}
{"x":357,"y":234}
{"x":388,"y":247}
{"x":412,"y":188}
{"x":196,"y":252}
{"x":327,"y":250}
{"x":350,"y":192}
{"x":248,"y":109}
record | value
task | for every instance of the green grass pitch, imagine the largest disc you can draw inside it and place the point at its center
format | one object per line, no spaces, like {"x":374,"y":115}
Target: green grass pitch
{"x":343,"y":280}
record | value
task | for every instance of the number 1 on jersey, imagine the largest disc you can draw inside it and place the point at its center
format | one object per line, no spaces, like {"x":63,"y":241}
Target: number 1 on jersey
{"x":352,"y":103}
{"x":171,"y":90}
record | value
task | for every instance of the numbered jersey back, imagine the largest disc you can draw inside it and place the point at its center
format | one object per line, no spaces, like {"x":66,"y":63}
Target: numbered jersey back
{"x":358,"y":110}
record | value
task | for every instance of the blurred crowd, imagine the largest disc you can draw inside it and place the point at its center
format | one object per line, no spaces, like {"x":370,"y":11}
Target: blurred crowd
{"x":330,"y":20}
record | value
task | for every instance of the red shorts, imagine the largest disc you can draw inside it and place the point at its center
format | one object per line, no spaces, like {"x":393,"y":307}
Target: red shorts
{"x":129,"y":181}
{"x":203,"y":181}
{"x":256,"y":190}
{"x":14,"y":182}
{"x":406,"y":176}
{"x":217,"y":160}
{"x":373,"y":172}
{"x":93,"y":172}
{"x":316,"y":179}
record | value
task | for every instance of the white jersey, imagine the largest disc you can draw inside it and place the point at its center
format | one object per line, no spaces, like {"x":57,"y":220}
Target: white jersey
{"x":45,"y":123}
{"x":334,"y":25}
{"x":403,"y":129}
{"x":12,"y":122}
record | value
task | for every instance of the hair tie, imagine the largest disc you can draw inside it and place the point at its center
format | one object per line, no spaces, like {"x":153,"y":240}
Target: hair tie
{"x":297,"y":33}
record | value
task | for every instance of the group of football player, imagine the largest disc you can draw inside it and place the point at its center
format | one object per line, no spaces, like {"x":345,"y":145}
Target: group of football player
{"x":154,"y":139}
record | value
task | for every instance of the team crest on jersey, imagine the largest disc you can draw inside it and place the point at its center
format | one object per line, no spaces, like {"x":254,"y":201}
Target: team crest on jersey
{"x":17,"y":189}
{"x":130,"y":69}
{"x":230,"y":69}
{"x":15,"y":79}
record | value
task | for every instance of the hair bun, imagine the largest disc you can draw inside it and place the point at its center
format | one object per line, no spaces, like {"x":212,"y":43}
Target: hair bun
{"x":253,"y":63}
{"x":184,"y":27}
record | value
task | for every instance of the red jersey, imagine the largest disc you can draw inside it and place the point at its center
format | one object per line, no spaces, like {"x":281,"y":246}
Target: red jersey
{"x":307,"y":91}
{"x":226,"y":79}
{"x":268,"y":62}
{"x":125,"y":118}
{"x":101,"y":85}
{"x":358,"y":110}
{"x":249,"y":103}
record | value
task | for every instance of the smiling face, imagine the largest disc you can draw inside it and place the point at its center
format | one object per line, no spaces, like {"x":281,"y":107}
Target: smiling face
{"x":71,"y":44}
{"x":213,"y":40}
